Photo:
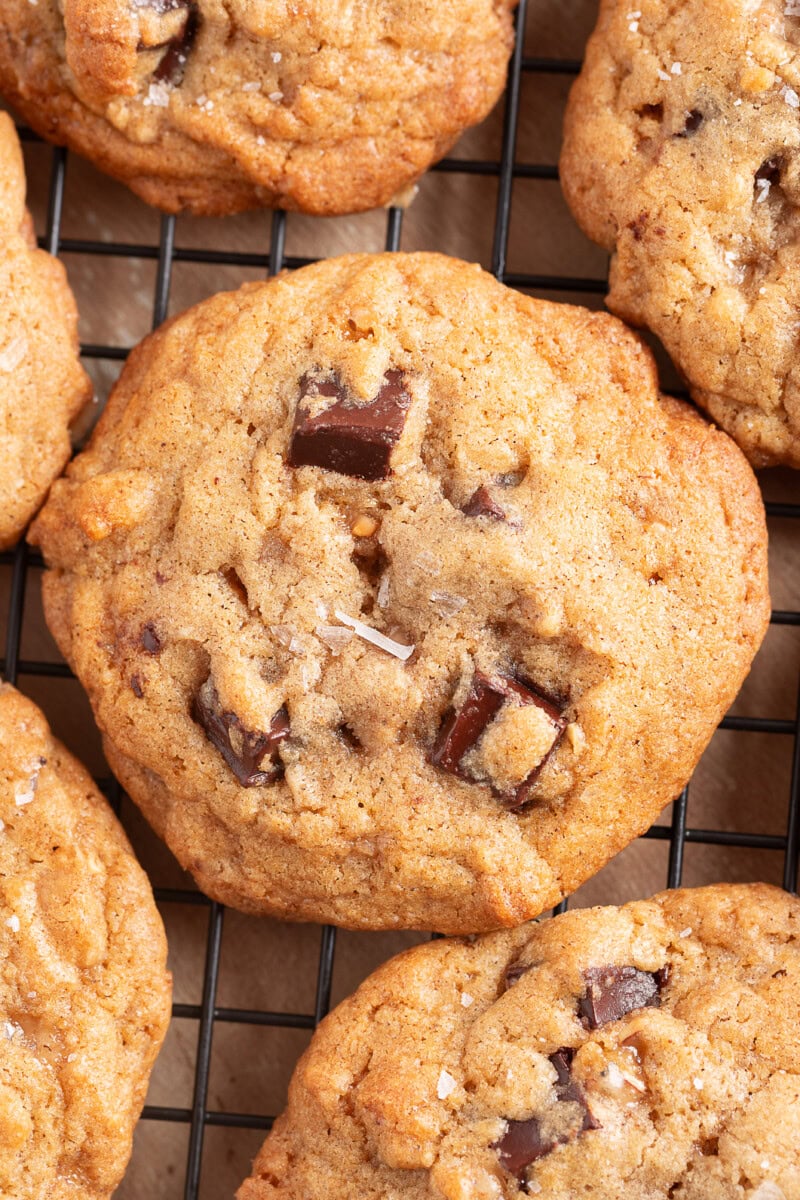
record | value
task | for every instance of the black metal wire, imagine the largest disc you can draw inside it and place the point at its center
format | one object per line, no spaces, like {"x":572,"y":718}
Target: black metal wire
{"x":678,"y":833}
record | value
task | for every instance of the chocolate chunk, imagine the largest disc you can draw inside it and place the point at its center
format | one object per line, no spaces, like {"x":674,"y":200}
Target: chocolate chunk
{"x":462,"y":728}
{"x":612,"y":992}
{"x":349,"y":438}
{"x":513,"y":973}
{"x":149,"y":639}
{"x":694,"y":120}
{"x":770,"y":170}
{"x":481,"y":504}
{"x":172,"y":66}
{"x":136,"y":686}
{"x":568,"y":1090}
{"x":244,"y":750}
{"x":526,"y":1141}
{"x":521,"y":1144}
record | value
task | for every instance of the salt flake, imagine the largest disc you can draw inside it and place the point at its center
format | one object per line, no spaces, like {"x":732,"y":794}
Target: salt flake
{"x":762,"y":186}
{"x":13,"y":923}
{"x":466,"y":1000}
{"x":15,"y":351}
{"x":446,"y":1085}
{"x":334,"y":637}
{"x":375,"y":637}
{"x":383,"y":592}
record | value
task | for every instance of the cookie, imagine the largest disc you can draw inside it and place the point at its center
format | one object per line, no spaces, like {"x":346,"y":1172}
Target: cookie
{"x":642,"y":1052}
{"x":402,"y":599}
{"x":42,"y":384}
{"x":84,"y":990}
{"x":217,"y":107}
{"x":681,"y":157}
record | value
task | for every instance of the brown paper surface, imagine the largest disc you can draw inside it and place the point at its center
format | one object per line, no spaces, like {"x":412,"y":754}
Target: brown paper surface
{"x":742,"y":783}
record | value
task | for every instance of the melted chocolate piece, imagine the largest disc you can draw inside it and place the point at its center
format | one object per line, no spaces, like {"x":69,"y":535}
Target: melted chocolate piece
{"x":136,"y":686}
{"x":513,"y":973}
{"x":349,"y":438}
{"x":172,"y":66}
{"x":149,"y":639}
{"x":770,"y":170}
{"x":244,"y":750}
{"x":481,"y":504}
{"x":462,"y":728}
{"x":694,"y":120}
{"x":524,"y":1141}
{"x":612,"y":992}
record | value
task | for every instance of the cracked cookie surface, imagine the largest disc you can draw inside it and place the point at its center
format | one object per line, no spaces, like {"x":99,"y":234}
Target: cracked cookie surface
{"x":682,"y":158}
{"x":84,"y":990}
{"x":42,"y":384}
{"x":218,"y":106}
{"x":479,"y":1070}
{"x":439,"y":685}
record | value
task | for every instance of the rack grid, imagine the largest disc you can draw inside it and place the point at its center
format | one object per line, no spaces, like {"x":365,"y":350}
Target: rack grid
{"x":677,"y":832}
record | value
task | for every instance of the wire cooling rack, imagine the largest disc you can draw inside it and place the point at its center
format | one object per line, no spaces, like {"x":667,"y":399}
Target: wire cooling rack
{"x":208,"y":1015}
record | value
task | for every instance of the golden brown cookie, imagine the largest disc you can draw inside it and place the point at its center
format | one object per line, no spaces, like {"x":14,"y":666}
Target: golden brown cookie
{"x":84,"y":990}
{"x":42,"y":384}
{"x":212,"y":107}
{"x":634,"y":1053}
{"x":681,"y":157}
{"x":402,"y":599}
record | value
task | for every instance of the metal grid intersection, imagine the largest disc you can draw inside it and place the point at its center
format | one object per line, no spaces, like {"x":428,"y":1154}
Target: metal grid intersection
{"x":678,"y":832}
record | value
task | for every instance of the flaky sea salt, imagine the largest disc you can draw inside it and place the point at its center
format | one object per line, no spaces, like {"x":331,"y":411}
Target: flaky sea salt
{"x":25,"y":795}
{"x":698,"y":1084}
{"x":13,"y":354}
{"x":762,"y":190}
{"x":384,"y":588}
{"x":375,"y":637}
{"x":276,"y":56}
{"x":334,"y":637}
{"x":447,"y":603}
{"x":684,"y":933}
{"x":428,"y":563}
{"x":466,"y":1000}
{"x":13,"y":923}
{"x":253,"y":86}
{"x":446,"y":1085}
{"x":157,"y":95}
{"x":275,"y":97}
{"x":790,"y":96}
{"x":676,"y":68}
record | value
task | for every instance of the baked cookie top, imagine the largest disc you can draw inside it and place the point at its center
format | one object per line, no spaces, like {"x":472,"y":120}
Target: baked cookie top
{"x":84,"y":990}
{"x":42,"y":384}
{"x":215,"y":107}
{"x":402,"y":599}
{"x":642,"y":1052}
{"x":681,"y":157}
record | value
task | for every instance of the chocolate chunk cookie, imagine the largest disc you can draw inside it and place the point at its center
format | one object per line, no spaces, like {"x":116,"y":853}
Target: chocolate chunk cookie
{"x":42,"y":384}
{"x":402,"y":599}
{"x":634,"y":1053}
{"x":682,"y":157}
{"x":211,"y":107}
{"x":84,"y":990}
